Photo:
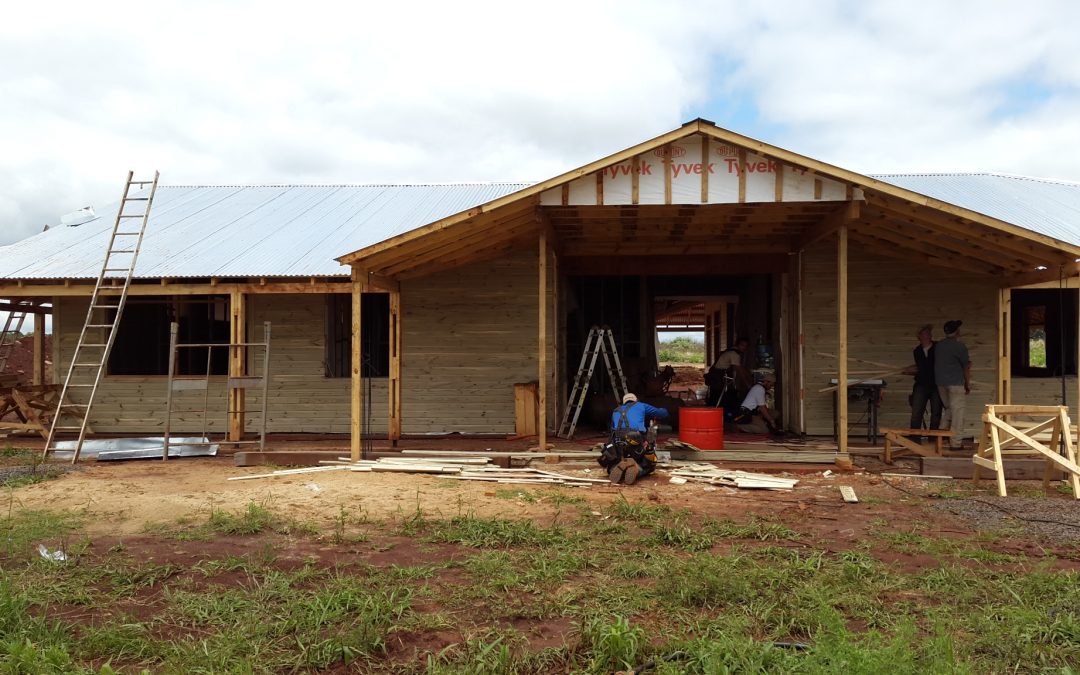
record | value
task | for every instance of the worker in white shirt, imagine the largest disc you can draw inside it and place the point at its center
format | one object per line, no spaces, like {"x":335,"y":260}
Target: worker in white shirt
{"x":754,"y":415}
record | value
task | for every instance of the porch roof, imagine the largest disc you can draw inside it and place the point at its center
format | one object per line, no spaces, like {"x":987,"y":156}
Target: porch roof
{"x":988,"y":224}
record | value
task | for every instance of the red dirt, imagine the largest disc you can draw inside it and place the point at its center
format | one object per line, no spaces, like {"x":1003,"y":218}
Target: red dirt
{"x":21,"y":361}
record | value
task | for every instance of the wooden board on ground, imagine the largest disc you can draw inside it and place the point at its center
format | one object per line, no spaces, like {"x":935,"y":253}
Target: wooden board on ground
{"x":962,"y":467}
{"x":784,"y":457}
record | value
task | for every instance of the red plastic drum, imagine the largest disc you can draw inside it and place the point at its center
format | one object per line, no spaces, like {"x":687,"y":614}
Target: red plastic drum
{"x":702,"y":427}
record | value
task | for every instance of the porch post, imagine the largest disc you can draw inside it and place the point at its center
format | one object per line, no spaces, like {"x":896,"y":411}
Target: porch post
{"x":39,"y":349}
{"x":1004,"y":362}
{"x":356,"y":395}
{"x":541,"y":362}
{"x":237,"y":364}
{"x":842,"y":348}
{"x":393,"y":427}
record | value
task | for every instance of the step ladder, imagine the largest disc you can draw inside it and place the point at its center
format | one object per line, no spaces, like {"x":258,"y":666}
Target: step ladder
{"x":9,"y":337}
{"x":600,"y":341}
{"x":88,"y":362}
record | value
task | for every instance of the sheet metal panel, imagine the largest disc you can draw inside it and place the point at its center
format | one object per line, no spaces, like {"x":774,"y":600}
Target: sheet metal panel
{"x":1049,"y":207}
{"x":288,"y":230}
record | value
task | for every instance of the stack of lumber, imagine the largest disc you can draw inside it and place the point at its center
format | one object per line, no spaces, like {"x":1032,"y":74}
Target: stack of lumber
{"x":707,"y":473}
{"x":459,"y":468}
{"x":524,"y":476}
{"x":763,"y":451}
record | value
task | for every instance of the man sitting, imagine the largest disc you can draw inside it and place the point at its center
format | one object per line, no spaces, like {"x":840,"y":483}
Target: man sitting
{"x":754,"y":416}
{"x":630,"y":453}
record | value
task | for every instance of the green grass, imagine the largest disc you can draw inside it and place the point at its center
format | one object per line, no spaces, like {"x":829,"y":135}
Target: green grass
{"x":648,"y":583}
{"x":682,"y":350}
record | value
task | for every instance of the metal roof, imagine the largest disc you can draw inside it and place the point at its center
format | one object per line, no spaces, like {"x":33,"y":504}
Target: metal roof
{"x":299,"y":230}
{"x":225,"y":231}
{"x":1049,"y":207}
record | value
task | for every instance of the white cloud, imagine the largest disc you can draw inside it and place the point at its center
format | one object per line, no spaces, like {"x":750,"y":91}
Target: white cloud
{"x":244,"y":92}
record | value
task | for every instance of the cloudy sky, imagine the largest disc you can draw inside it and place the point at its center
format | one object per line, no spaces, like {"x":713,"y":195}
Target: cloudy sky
{"x":316,"y":92}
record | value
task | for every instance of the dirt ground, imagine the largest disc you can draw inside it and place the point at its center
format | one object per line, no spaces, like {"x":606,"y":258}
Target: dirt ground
{"x":125,"y":497}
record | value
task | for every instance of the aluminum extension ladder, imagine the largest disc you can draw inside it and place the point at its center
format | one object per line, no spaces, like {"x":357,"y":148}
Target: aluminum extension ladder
{"x":95,"y":343}
{"x":9,"y":337}
{"x":600,"y":341}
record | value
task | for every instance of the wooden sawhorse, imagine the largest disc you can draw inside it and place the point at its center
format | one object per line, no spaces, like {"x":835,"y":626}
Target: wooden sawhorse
{"x":900,"y":437}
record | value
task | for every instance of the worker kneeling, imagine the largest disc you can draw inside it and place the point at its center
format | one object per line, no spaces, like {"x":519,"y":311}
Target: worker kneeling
{"x":631,"y":452}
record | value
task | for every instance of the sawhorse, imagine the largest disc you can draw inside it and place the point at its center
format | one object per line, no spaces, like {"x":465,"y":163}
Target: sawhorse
{"x":900,"y":437}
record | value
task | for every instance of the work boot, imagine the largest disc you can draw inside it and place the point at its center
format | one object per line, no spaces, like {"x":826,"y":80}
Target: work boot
{"x":630,"y":475}
{"x":615,"y":473}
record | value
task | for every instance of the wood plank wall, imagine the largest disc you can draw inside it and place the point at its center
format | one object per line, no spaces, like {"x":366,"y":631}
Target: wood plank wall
{"x":468,"y":335}
{"x":302,"y":399}
{"x":888,"y":301}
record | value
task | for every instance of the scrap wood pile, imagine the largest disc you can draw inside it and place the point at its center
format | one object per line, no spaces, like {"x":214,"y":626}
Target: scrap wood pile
{"x":476,"y":468}
{"x":707,"y":473}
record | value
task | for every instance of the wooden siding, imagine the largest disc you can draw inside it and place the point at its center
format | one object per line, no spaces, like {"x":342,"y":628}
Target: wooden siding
{"x":302,"y":399}
{"x":887,"y":301}
{"x":468,"y":335}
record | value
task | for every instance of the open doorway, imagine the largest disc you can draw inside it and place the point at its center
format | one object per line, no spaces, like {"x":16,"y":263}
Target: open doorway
{"x":647,"y":314}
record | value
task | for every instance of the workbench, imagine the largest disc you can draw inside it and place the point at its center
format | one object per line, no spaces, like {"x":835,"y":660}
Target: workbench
{"x":869,"y":391}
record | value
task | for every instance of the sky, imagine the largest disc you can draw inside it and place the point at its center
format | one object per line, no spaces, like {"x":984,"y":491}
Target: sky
{"x":315,"y":92}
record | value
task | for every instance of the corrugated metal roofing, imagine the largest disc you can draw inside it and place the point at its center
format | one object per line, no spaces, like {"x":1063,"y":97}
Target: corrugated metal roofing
{"x":208,"y":231}
{"x":220,"y":231}
{"x":1048,"y":207}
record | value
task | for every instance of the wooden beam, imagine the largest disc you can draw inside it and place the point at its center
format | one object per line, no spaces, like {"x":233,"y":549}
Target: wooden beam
{"x":845,"y":214}
{"x":674,"y":265}
{"x":1023,"y":242}
{"x":541,"y":361}
{"x":237,"y":364}
{"x":635,"y":180}
{"x":778,"y":187}
{"x":887,"y":248}
{"x":382,"y":282}
{"x":356,"y":391}
{"x":937,"y":241}
{"x":842,"y":336}
{"x":705,"y":170}
{"x":525,"y":224}
{"x":1004,"y":344}
{"x":39,"y":349}
{"x":71,"y":289}
{"x":667,"y":173}
{"x":394,"y":404}
{"x":742,"y":174}
{"x":599,"y":188}
{"x":1051,"y":277}
{"x":934,"y":252}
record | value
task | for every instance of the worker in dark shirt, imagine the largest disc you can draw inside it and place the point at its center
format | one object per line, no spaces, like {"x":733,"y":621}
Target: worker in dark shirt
{"x":925,"y":390}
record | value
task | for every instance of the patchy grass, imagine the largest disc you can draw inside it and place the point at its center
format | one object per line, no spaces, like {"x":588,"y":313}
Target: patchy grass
{"x":641,"y":584}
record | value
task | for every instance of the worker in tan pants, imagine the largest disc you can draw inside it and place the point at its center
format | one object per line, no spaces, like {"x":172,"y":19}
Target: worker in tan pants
{"x":952,"y":372}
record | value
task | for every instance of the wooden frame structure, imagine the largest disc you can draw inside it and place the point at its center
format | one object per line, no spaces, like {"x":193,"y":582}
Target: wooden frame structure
{"x":1048,"y":435}
{"x":775,"y":210}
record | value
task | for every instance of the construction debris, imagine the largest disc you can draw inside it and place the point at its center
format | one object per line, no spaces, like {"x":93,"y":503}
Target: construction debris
{"x":477,"y":468}
{"x":707,"y":473}
{"x":848,"y":493}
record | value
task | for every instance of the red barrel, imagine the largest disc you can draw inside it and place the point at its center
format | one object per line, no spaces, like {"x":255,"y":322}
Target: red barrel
{"x":702,"y":427}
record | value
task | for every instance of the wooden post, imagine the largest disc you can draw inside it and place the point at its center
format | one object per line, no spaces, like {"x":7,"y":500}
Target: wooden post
{"x":394,"y":422}
{"x":237,"y":363}
{"x":359,"y":278}
{"x":541,"y":365}
{"x":39,"y":349}
{"x":842,"y":352}
{"x":1004,"y":362}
